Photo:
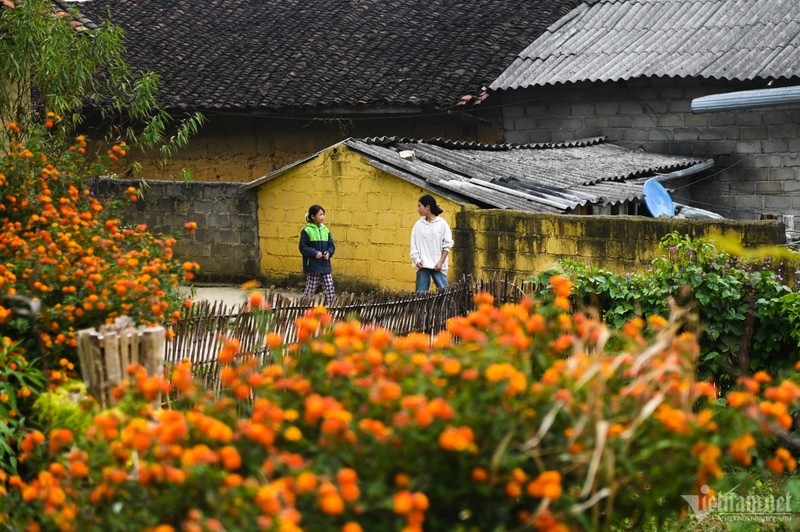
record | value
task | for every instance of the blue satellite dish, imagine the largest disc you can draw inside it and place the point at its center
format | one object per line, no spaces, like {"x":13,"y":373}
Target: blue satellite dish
{"x":657,"y":199}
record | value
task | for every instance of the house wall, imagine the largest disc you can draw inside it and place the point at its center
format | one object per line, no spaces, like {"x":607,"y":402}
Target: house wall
{"x":246,"y":234}
{"x":493,"y":242}
{"x":369,"y":213}
{"x":244,"y":148}
{"x":757,"y":152}
{"x":225,"y":243}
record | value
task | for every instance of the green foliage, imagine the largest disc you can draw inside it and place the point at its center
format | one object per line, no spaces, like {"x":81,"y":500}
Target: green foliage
{"x":48,"y":66}
{"x":21,"y":381}
{"x":748,"y":316}
{"x":66,"y":406}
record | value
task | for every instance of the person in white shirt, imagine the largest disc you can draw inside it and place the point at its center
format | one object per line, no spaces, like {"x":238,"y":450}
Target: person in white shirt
{"x":431,"y":242}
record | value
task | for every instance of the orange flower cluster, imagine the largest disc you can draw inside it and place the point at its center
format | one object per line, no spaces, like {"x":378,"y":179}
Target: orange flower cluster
{"x":487,"y":426}
{"x":64,"y":248}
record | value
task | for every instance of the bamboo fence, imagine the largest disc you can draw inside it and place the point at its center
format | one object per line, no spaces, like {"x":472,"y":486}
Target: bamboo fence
{"x":197,"y":335}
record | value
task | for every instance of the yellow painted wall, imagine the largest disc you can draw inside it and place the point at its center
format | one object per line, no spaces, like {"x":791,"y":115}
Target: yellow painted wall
{"x":498,"y":242}
{"x":370,"y":214}
{"x":240,"y":149}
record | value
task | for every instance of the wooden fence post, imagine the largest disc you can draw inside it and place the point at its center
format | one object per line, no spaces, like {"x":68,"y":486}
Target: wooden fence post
{"x":106,"y":354}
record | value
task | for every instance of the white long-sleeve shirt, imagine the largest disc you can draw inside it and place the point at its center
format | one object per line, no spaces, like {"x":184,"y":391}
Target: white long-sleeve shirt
{"x":429,"y":240}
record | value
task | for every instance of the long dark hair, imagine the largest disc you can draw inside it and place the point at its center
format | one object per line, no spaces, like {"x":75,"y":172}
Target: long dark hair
{"x":428,"y":201}
{"x":312,"y":211}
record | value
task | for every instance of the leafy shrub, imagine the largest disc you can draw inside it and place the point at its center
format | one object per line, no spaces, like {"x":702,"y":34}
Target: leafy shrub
{"x":68,"y":263}
{"x":21,"y":381}
{"x":747,"y":317}
{"x":522,"y":416}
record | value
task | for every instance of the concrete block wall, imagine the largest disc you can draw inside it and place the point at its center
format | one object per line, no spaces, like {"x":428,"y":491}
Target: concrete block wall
{"x":757,"y":152}
{"x":225,"y":243}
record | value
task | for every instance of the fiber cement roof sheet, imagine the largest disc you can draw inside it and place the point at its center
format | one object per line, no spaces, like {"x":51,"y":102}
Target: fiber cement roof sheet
{"x":535,"y":179}
{"x":611,"y":40}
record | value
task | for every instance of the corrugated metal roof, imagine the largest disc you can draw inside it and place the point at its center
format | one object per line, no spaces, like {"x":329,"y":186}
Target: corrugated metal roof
{"x":554,"y":178}
{"x":528,"y":178}
{"x":611,"y":40}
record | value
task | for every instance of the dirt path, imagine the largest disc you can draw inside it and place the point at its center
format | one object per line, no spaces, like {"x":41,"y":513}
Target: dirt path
{"x":230,"y":295}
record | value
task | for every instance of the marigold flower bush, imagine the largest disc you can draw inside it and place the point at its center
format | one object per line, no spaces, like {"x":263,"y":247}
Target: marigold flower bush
{"x":518,"y":416}
{"x":68,"y":263}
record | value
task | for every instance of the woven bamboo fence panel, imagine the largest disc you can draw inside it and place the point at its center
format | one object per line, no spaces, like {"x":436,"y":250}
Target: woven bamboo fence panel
{"x":105,"y":356}
{"x":197,"y":335}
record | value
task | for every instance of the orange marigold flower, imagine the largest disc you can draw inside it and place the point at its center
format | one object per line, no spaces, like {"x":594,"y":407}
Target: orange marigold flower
{"x":737,"y":399}
{"x":347,"y":476}
{"x":513,"y":490}
{"x":352,"y":526}
{"x":293,"y":434}
{"x":31,"y":440}
{"x":59,"y":438}
{"x":675,"y":420}
{"x":274,"y":340}
{"x":774,"y":465}
{"x":786,"y":458}
{"x":420,"y":501}
{"x":231,"y":459}
{"x":633,"y":327}
{"x":656,"y":322}
{"x":403,"y":502}
{"x":457,"y":439}
{"x":560,"y":285}
{"x":78,"y":469}
{"x":255,"y":300}
{"x":483,"y":298}
{"x":380,"y":339}
{"x":740,"y":448}
{"x":306,"y":481}
{"x":332,"y":504}
{"x":479,"y":474}
{"x":562,"y":303}
{"x":350,"y":492}
{"x":762,"y":376}
{"x":535,"y":324}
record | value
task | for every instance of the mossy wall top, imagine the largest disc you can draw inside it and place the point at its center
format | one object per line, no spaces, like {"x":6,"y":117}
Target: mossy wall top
{"x":490,"y":242}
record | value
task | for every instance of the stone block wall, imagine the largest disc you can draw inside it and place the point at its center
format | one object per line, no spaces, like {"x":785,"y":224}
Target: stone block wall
{"x":491,"y":242}
{"x":225,"y":243}
{"x":757,"y":152}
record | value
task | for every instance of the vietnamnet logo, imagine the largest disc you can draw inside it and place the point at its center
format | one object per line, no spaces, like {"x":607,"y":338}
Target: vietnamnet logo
{"x":731,"y":506}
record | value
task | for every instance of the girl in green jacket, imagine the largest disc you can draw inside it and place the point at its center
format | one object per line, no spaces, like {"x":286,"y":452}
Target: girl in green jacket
{"x":317,"y":248}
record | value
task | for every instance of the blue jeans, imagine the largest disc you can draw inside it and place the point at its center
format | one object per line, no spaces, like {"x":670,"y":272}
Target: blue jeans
{"x":424,"y":279}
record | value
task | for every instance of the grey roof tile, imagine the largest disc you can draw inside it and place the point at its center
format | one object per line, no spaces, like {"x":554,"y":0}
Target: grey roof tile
{"x":289,"y":55}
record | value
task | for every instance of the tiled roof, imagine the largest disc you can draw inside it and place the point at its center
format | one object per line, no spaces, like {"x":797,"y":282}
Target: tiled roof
{"x":555,"y":178}
{"x":611,"y":40}
{"x":311,"y":54}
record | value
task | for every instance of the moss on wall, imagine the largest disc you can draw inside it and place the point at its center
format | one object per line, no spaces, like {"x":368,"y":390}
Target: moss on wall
{"x":370,"y":214}
{"x":496,"y":242}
